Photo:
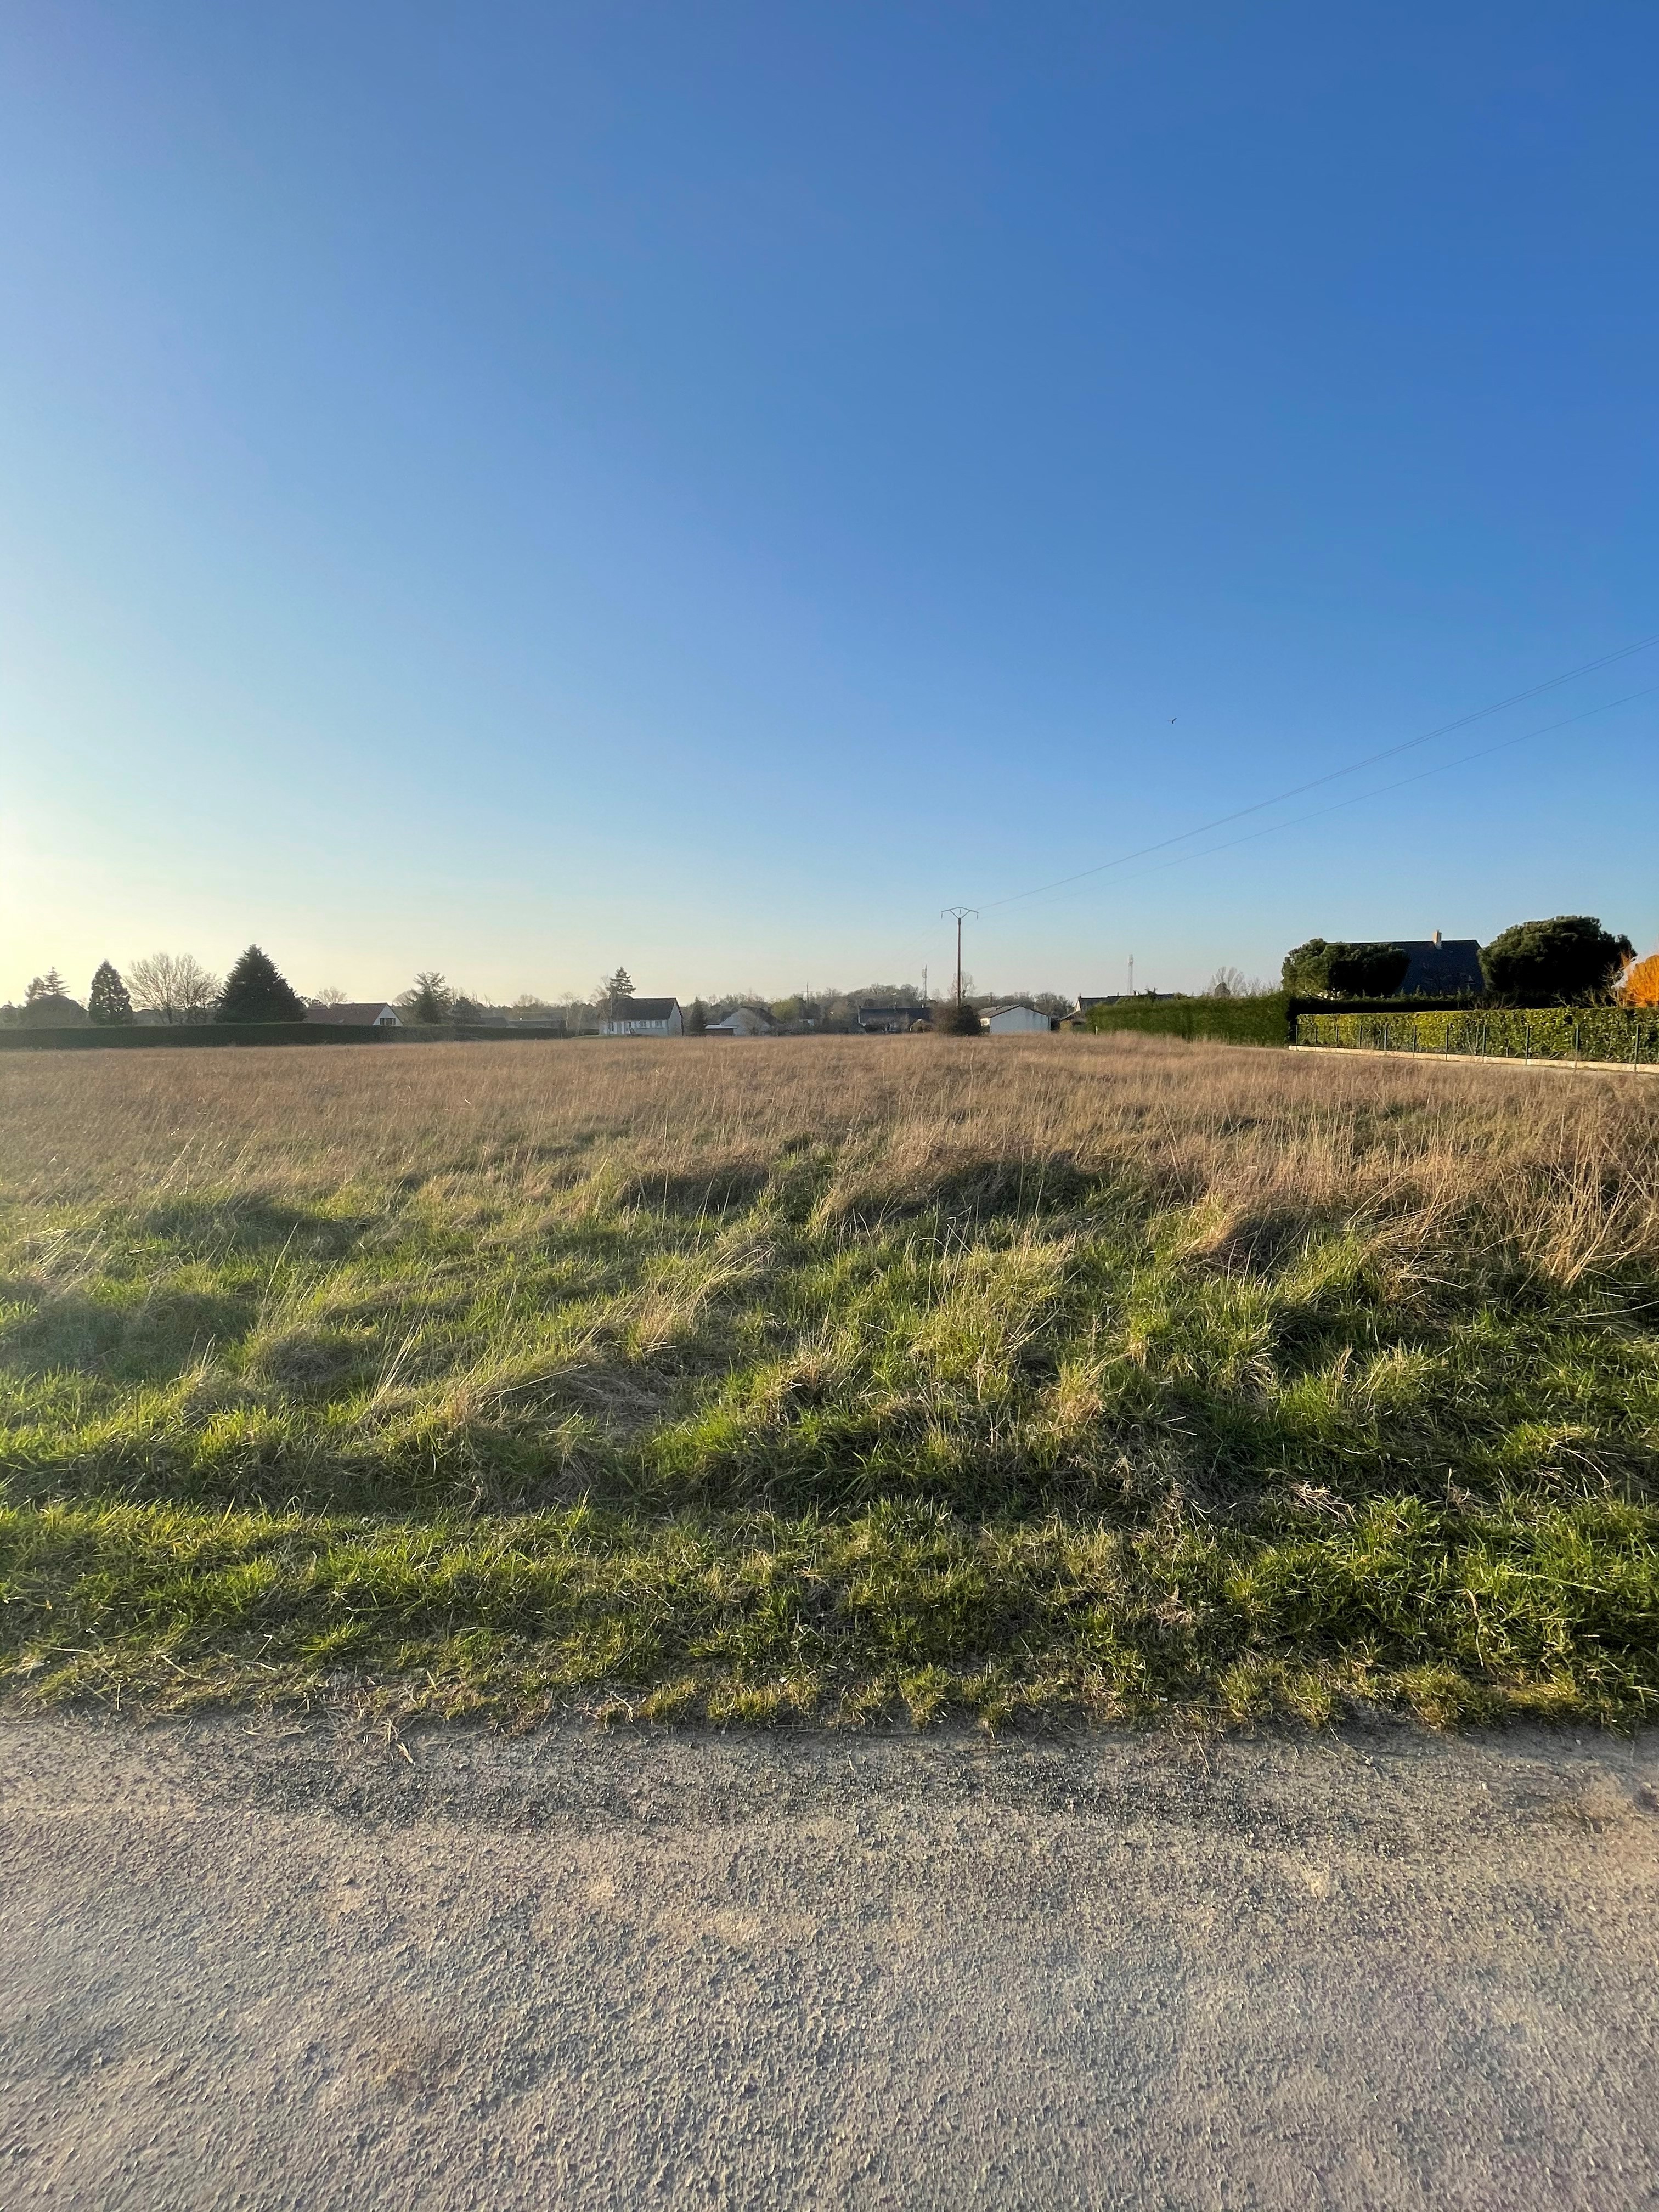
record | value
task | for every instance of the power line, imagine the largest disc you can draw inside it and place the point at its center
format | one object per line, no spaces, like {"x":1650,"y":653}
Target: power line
{"x":1440,"y":768}
{"x":1332,"y":776}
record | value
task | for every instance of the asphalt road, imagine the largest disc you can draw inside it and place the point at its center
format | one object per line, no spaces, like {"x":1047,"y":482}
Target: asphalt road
{"x":251,"y":1965}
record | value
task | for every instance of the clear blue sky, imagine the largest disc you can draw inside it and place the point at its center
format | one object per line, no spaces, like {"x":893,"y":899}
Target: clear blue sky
{"x":517,"y":488}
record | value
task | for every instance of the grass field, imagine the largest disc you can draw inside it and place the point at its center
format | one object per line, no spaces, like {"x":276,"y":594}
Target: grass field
{"x":830,"y":1377}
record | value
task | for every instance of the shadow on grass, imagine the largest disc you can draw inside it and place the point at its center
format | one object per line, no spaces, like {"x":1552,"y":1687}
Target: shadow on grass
{"x":147,"y":1341}
{"x":214,"y":1228}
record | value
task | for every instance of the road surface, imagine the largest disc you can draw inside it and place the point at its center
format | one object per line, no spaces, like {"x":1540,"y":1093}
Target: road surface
{"x":262,"y":1965}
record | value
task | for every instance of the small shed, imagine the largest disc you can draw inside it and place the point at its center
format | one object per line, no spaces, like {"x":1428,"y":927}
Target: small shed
{"x":1016,"y":1020}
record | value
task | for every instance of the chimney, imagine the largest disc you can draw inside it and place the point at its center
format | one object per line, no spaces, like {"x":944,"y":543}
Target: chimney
{"x":1436,"y":937}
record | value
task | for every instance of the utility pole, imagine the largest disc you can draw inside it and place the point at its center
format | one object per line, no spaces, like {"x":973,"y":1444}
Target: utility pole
{"x":1132,"y":975}
{"x":924,"y":986}
{"x":958,"y":914}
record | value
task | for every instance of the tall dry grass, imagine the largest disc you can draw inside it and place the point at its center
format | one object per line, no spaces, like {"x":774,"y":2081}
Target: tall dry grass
{"x":1564,"y":1170}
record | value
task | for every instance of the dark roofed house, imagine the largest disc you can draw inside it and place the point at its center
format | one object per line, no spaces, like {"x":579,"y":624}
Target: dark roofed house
{"x":889,"y":1021}
{"x":1441,"y":967}
{"x":363,"y":1013}
{"x":643,"y":1017}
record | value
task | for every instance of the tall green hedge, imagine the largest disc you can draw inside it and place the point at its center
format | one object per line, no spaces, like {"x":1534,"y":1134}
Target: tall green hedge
{"x":1229,"y":1021}
{"x":1603,"y":1033}
{"x":182,"y":1036}
{"x":147,"y":1035}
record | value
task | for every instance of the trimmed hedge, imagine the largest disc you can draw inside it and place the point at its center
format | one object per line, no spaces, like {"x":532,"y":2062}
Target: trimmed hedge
{"x":92,"y":1037}
{"x":96,"y":1039}
{"x":1617,"y":1033}
{"x":1229,"y":1021}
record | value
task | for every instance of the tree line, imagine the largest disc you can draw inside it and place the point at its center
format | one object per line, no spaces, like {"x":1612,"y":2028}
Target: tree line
{"x":175,"y":988}
{"x":173,"y":985}
{"x":1570,"y":958}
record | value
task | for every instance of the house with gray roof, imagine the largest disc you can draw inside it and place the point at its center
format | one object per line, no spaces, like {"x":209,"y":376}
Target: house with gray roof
{"x":1441,"y":967}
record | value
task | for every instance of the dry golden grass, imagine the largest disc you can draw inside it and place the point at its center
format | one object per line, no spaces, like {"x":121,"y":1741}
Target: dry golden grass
{"x":1565,"y":1171}
{"x":831,"y":1373}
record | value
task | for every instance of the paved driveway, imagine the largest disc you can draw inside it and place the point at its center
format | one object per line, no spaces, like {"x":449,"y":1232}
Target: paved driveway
{"x":262,"y":1965}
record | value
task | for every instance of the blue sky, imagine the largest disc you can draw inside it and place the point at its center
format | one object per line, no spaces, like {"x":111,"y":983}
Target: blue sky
{"x":513,"y":490}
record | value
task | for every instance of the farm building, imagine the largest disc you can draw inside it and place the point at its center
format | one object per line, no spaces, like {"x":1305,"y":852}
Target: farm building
{"x":1015,"y":1021}
{"x":643,"y":1017}
{"x":742,"y":1021}
{"x":361,"y":1013}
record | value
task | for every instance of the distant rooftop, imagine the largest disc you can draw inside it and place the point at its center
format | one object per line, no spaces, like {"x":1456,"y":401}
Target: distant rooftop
{"x":360,"y":1012}
{"x":1441,"y":967}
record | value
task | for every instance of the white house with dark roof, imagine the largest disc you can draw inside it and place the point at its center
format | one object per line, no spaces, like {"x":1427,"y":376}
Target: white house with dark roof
{"x":358,"y":1014}
{"x":643,"y":1018}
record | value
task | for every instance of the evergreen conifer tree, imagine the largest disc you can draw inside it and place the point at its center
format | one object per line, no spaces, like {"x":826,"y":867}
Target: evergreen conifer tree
{"x":107,"y":1000}
{"x":428,"y":997}
{"x":612,"y":992}
{"x":47,"y":1004}
{"x":256,"y":992}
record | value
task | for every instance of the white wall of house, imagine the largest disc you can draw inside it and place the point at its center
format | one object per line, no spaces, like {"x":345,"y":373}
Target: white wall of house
{"x":631,"y":1025}
{"x":1015,"y":1021}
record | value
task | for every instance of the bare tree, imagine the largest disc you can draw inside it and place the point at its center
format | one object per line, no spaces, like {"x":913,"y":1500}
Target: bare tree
{"x":174,"y":985}
{"x":329,"y":995}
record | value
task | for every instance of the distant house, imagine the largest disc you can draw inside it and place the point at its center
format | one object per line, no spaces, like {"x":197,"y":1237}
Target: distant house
{"x":643,"y":1018}
{"x":1442,"y":966}
{"x":742,"y":1021}
{"x":1016,"y":1020}
{"x":358,"y":1014}
{"x":889,"y":1021}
